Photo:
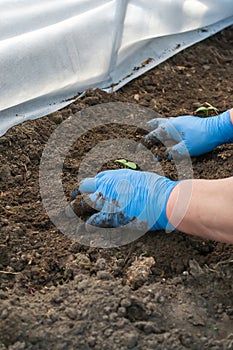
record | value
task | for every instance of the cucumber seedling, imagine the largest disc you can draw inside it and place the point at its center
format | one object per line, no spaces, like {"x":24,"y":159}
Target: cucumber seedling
{"x":126,"y":164}
{"x":207,"y":107}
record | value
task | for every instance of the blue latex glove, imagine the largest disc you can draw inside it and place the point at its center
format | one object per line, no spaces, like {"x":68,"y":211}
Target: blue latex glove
{"x":193,"y":134}
{"x":126,"y":196}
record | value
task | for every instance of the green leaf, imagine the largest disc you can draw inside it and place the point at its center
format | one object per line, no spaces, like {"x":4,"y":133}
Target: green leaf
{"x":122,"y":161}
{"x":212,"y":109}
{"x":131,"y":165}
{"x":200,"y":109}
{"x":206,"y":109}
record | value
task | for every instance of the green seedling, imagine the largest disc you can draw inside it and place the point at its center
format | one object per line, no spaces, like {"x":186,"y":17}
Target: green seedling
{"x":207,"y":108}
{"x":214,"y":328}
{"x":126,"y":164}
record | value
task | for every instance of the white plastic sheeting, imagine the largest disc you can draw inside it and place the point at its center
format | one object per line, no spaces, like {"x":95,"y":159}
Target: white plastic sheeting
{"x":52,"y":50}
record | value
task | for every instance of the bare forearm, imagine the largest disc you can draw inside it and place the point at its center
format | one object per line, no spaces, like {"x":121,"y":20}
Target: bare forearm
{"x":231,"y":115}
{"x":203,"y":208}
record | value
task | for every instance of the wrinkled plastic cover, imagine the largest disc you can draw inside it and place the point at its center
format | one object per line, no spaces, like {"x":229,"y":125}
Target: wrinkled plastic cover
{"x":53,"y":50}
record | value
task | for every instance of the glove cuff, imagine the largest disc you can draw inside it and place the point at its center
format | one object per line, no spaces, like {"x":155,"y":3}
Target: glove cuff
{"x":166,"y":188}
{"x":225,"y":127}
{"x":167,"y":225}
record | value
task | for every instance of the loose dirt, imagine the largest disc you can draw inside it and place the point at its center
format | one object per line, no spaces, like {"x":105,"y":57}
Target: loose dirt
{"x":163,"y":291}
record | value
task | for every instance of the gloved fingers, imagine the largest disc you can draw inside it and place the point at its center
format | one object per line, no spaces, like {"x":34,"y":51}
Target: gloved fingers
{"x":179,"y":151}
{"x":163,"y":133}
{"x":97,"y":200}
{"x":88,"y":185}
{"x":114,"y":220}
{"x":105,"y":219}
{"x":138,"y":225}
{"x":155,"y":123}
{"x":74,"y":193}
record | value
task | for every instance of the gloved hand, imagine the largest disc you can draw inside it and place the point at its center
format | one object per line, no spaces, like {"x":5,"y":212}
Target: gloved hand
{"x":193,"y":134}
{"x":127,"y":196}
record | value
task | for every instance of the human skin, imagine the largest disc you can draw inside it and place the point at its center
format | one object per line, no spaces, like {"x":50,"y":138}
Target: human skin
{"x":197,"y":207}
{"x":231,"y":115}
{"x":209,"y":212}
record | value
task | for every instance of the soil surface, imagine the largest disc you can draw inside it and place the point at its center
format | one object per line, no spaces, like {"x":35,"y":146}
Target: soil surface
{"x":162,"y":291}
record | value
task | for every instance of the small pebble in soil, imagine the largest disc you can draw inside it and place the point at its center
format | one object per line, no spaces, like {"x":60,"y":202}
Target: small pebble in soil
{"x":139,"y":271}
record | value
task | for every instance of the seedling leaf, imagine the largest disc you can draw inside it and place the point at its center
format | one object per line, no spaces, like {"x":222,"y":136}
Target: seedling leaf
{"x":126,"y":164}
{"x":200,"y":109}
{"x":207,"y":109}
{"x":122,"y":161}
{"x":131,"y":165}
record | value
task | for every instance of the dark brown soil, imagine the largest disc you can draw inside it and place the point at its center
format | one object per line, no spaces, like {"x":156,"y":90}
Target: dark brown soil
{"x":58,"y":294}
